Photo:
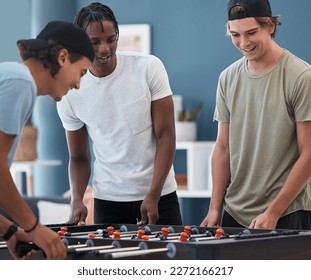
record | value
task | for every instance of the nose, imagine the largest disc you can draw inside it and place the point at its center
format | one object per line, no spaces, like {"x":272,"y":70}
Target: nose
{"x":103,"y":47}
{"x":244,"y":41}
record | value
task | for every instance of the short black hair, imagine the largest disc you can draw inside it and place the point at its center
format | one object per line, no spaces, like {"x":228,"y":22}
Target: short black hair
{"x":48,"y":56}
{"x":95,"y":12}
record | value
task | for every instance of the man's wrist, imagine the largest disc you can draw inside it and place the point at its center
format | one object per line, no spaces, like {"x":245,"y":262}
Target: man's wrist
{"x":10,"y":232}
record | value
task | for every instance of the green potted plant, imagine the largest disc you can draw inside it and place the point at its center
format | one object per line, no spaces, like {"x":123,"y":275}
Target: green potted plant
{"x":186,"y":125}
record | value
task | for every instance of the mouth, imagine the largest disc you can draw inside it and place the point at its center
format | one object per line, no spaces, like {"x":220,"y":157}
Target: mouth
{"x":104,"y":57}
{"x":249,"y":49}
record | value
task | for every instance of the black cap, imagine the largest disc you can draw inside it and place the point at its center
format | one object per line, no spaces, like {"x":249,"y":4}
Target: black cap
{"x":64,"y":33}
{"x":253,"y":8}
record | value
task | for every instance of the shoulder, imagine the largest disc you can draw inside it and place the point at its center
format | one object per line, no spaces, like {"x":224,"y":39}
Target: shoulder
{"x":14,"y":70}
{"x":233,"y":69}
{"x":294,"y":69}
{"x":141,"y":63}
{"x":16,"y":78}
{"x":137,"y":57}
{"x":294,"y":62}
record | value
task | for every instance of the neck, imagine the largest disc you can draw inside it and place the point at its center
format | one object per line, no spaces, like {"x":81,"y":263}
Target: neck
{"x":40,"y":74}
{"x":102,"y":70}
{"x":267,"y":61}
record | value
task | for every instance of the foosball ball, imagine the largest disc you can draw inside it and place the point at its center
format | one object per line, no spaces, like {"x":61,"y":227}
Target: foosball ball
{"x":103,"y":241}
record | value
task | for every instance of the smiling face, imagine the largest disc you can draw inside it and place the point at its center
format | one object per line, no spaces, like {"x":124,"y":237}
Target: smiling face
{"x":105,"y":41}
{"x":68,"y":76}
{"x":251,"y":39}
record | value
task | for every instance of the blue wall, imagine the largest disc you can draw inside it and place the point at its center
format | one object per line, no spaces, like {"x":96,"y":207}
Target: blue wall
{"x":15,"y":24}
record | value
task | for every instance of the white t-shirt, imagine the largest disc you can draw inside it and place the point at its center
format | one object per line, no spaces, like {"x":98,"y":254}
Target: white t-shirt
{"x":116,"y":111}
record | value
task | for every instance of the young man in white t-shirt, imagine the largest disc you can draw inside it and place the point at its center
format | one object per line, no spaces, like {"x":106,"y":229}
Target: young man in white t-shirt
{"x":125,"y":106}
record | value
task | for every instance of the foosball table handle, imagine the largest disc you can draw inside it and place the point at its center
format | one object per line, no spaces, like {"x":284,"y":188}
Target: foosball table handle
{"x":23,"y":248}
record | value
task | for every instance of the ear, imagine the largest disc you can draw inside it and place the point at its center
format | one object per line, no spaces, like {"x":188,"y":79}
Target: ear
{"x":271,"y":29}
{"x":63,"y":55}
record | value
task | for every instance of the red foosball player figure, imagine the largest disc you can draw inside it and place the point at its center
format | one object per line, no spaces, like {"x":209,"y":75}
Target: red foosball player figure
{"x":219,"y":233}
{"x":183,"y":237}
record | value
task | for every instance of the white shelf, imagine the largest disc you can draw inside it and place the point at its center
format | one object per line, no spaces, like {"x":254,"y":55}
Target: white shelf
{"x":193,"y":194}
{"x":183,"y":145}
{"x":27,"y":167}
{"x":198,"y":155}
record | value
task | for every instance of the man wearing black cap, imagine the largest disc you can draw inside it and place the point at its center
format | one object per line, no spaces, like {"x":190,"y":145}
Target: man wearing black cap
{"x":262,"y":158}
{"x":53,"y":63}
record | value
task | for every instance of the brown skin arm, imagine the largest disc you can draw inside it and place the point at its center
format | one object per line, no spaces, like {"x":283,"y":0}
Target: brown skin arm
{"x":162,"y":111}
{"x":14,"y":205}
{"x":10,"y":199}
{"x":79,"y":172}
{"x":220,"y":176}
{"x":18,"y":236}
{"x":297,"y":178}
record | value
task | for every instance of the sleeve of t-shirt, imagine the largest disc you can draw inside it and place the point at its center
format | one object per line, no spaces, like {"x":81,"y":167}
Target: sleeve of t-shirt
{"x":221,"y":113}
{"x":158,"y":80}
{"x":301,"y":101}
{"x":16,"y":105}
{"x":67,"y":116}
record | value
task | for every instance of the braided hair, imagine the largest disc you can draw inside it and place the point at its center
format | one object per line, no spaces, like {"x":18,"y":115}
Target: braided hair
{"x":95,"y":12}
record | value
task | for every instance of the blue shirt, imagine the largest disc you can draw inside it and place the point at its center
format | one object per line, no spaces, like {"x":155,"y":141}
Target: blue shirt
{"x":18,"y":93}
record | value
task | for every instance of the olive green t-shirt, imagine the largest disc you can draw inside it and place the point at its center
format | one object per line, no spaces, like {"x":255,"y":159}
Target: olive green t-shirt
{"x":262,"y":111}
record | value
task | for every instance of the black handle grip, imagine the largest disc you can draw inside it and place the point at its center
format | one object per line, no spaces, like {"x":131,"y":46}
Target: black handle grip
{"x":23,"y":248}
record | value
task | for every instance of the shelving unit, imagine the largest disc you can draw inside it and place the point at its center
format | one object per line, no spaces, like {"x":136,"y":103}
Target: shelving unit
{"x":194,"y":194}
{"x":27,"y":167}
{"x":198,"y":156}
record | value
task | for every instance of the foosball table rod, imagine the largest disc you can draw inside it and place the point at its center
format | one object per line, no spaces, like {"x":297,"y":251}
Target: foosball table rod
{"x":142,"y":250}
{"x":3,"y":245}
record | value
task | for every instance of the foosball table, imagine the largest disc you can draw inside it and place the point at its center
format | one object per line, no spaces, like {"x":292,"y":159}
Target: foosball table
{"x":158,"y":242}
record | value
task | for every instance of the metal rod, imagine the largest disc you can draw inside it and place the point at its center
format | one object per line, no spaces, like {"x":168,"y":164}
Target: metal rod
{"x":140,"y":252}
{"x":119,"y":250}
{"x":94,"y":248}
